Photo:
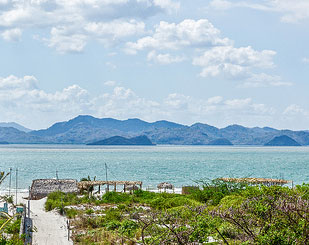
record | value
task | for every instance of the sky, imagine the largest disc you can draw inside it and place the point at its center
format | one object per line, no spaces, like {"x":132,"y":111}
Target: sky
{"x":218,"y":62}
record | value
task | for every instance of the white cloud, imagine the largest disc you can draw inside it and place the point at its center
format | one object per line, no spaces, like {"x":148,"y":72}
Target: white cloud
{"x":74,"y":38}
{"x":116,"y":29}
{"x":221,"y":4}
{"x":174,"y":36}
{"x":294,"y":110}
{"x":63,"y":40}
{"x":215,"y":100}
{"x":305,"y":60}
{"x":110,"y":83}
{"x":73,"y":23}
{"x":164,"y":58}
{"x":215,"y":54}
{"x":265,"y":80}
{"x":233,"y":62}
{"x":292,"y":10}
{"x":12,"y":34}
{"x":169,"y":5}
{"x":238,"y":103}
{"x":14,"y":83}
{"x":21,"y":99}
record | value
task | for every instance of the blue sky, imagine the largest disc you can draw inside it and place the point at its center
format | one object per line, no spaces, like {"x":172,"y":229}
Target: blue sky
{"x":218,"y":62}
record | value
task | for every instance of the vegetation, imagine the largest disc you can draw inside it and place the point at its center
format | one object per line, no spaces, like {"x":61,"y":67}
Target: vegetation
{"x":9,"y":225}
{"x":219,"y":212}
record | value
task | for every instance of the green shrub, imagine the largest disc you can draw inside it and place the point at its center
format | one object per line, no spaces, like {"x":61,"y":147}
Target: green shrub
{"x":71,"y":213}
{"x":112,"y":214}
{"x":128,"y":228}
{"x":112,"y":225}
{"x":115,"y":197}
{"x":89,"y":211}
{"x":13,"y":227}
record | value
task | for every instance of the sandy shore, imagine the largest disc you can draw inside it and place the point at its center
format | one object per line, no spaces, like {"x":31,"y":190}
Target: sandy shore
{"x":50,"y":228}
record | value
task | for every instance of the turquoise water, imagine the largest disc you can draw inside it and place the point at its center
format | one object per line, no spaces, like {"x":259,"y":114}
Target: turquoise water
{"x":180,"y":165}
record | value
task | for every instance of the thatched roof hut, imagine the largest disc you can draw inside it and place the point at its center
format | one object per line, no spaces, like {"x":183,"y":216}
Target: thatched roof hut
{"x":262,"y":181}
{"x":165,"y":186}
{"x":42,"y":187}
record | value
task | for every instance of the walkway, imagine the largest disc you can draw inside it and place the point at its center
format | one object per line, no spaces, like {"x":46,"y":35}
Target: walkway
{"x":50,"y":228}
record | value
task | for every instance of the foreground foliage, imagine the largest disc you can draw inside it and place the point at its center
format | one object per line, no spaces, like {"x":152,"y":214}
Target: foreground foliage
{"x":219,"y":212}
{"x":10,"y":232}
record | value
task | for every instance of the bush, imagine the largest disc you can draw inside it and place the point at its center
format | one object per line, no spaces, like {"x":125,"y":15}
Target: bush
{"x":213,"y":191}
{"x":166,"y":203}
{"x":71,"y":213}
{"x":89,"y":211}
{"x":270,"y":215}
{"x":115,"y":197}
{"x":13,"y":227}
{"x":128,"y":228}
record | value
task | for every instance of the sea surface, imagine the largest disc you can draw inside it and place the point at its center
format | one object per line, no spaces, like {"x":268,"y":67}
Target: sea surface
{"x":179,"y":165}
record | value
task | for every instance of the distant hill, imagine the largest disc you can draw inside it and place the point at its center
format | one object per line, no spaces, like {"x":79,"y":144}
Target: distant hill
{"x":88,"y":129}
{"x":4,"y":143}
{"x":13,"y":135}
{"x":118,"y":140}
{"x":14,"y":125}
{"x":221,"y":141}
{"x":282,"y":140}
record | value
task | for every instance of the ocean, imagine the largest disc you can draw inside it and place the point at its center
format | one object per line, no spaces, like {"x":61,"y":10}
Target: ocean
{"x":179,"y":165}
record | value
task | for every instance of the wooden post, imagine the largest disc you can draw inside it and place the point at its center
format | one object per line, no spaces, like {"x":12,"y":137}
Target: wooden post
{"x":29,"y":203}
{"x":107,"y":187}
{"x":68,"y":226}
{"x":124,"y":188}
{"x":99,"y":189}
{"x":115,"y":187}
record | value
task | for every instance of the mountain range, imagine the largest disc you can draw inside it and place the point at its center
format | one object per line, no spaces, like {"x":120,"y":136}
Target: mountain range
{"x":14,"y":125}
{"x":87,"y":129}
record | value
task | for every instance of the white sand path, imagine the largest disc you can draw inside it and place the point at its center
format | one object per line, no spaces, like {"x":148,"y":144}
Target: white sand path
{"x":50,"y":227}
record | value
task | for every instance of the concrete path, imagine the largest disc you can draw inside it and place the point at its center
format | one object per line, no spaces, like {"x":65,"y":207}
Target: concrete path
{"x":50,"y":228}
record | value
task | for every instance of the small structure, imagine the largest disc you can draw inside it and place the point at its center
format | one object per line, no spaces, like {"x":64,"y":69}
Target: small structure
{"x":42,"y":187}
{"x":257,"y":181}
{"x":165,"y":186}
{"x":86,"y":185}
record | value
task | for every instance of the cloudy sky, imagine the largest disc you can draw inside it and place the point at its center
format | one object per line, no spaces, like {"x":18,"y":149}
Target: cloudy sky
{"x":219,"y":62}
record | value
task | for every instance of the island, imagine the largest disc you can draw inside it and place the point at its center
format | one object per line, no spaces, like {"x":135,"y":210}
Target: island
{"x":282,"y":140}
{"x":119,"y":140}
